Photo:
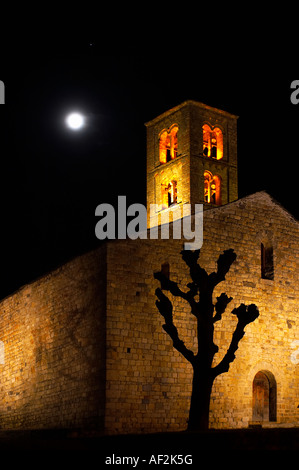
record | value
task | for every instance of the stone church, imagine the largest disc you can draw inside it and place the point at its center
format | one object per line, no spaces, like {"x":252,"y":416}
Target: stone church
{"x":83,"y":347}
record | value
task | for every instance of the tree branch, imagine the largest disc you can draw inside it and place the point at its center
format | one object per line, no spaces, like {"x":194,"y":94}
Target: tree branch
{"x":245,"y":314}
{"x":220,"y":306}
{"x":173,"y":288}
{"x":165,"y":308}
{"x":178,"y":344}
{"x":198,"y":275}
{"x":224,"y":263}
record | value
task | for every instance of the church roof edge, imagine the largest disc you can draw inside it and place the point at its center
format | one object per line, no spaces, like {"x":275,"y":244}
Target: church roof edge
{"x":187,"y":103}
{"x":259,"y":195}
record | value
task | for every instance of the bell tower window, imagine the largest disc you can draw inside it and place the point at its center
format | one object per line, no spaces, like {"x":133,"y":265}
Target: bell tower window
{"x":212,"y":188}
{"x":168,"y":144}
{"x":212,"y":142}
{"x":213,"y":146}
{"x":169,"y":194}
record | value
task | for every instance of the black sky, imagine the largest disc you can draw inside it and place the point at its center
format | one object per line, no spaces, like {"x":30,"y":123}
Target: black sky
{"x":53,"y":179}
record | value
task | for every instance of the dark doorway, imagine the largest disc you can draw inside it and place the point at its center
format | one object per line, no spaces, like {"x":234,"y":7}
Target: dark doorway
{"x":264,"y":397}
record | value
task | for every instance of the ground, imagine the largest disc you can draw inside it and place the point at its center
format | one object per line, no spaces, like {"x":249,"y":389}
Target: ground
{"x":218,"y":444}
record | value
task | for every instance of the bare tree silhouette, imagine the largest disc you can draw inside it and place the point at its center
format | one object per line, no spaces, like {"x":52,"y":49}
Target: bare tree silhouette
{"x":206,"y":314}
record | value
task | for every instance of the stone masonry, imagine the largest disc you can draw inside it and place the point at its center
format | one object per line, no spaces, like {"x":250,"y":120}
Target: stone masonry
{"x":148,"y":383}
{"x":83,"y":347}
{"x":53,"y":333}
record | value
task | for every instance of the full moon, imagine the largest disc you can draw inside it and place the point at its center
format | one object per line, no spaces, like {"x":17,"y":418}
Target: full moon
{"x":75,"y":121}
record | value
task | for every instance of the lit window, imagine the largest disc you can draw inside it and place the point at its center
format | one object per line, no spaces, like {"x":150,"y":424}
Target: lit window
{"x":212,"y":187}
{"x":212,"y":142}
{"x":168,"y":144}
{"x":169,"y":194}
{"x":267,"y":265}
{"x":163,"y":146}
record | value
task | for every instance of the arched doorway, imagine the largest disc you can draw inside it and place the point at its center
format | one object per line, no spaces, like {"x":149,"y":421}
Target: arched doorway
{"x":264,"y":396}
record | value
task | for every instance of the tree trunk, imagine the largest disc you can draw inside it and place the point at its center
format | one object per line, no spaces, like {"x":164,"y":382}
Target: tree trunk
{"x":200,"y":401}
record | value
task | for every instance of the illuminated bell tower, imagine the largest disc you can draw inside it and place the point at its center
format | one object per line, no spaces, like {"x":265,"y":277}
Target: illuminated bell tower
{"x":191,"y":158}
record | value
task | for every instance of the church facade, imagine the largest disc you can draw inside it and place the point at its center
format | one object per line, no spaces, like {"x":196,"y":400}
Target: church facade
{"x":83,"y":347}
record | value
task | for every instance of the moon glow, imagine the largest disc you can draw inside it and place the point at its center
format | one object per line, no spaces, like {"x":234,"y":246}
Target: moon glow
{"x":75,"y":121}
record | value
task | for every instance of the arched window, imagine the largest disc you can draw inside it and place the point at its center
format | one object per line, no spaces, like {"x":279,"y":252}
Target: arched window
{"x":264,"y":393}
{"x":212,"y":188}
{"x":169,"y":194}
{"x":267,"y":265}
{"x":212,"y":142}
{"x":165,"y":270}
{"x":168,"y":144}
{"x":174,"y":141}
{"x":163,"y":143}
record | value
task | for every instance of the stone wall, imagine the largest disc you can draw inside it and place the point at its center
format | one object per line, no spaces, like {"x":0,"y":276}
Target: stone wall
{"x":84,"y":344}
{"x":148,"y":382}
{"x":53,"y":332}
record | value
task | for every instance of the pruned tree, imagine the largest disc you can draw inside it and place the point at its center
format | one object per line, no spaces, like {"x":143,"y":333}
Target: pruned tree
{"x":207,"y":314}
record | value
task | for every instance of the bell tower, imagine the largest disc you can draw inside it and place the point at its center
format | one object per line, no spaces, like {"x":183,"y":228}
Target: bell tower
{"x":191,"y":158}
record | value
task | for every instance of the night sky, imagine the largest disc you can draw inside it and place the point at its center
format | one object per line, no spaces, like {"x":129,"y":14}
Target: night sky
{"x":52,"y":179}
